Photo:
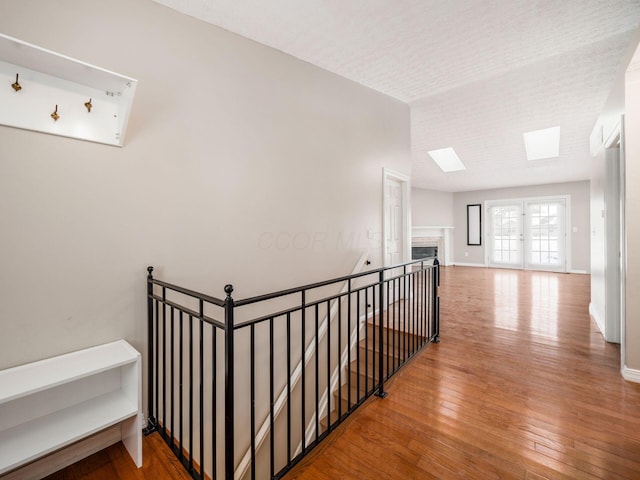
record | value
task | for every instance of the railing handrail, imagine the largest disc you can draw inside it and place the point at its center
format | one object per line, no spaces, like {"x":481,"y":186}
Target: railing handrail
{"x":311,"y":286}
{"x":192,"y":293}
{"x":289,"y":291}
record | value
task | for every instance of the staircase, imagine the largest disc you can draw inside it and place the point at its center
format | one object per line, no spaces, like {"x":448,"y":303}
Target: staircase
{"x":400,"y":342}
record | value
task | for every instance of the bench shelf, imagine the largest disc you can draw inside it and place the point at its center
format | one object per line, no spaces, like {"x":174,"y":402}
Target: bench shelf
{"x":52,"y":403}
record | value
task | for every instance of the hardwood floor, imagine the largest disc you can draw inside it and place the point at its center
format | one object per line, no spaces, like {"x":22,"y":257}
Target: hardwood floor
{"x":522,"y":386}
{"x":115,"y":463}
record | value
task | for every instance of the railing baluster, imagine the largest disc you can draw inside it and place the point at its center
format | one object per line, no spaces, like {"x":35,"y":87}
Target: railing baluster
{"x":418,"y":305}
{"x":397,"y":321}
{"x":349,"y":346}
{"x":181,"y":377}
{"x":317,"y":359}
{"x":303,"y":421}
{"x":214,"y":403}
{"x":426,"y":302}
{"x":339,"y":396}
{"x":171,"y":423}
{"x":157,"y":349}
{"x":164,"y":362}
{"x":436,"y":301}
{"x":252,"y":380}
{"x":272,"y":426}
{"x":366,"y":342}
{"x":390,"y":352}
{"x":191,"y":393}
{"x":328,"y":364}
{"x":381,"y":393}
{"x":412,"y":311}
{"x":201,"y":386}
{"x":288,"y":387}
{"x":374,"y":345}
{"x":358,"y":345}
{"x":403,"y":286}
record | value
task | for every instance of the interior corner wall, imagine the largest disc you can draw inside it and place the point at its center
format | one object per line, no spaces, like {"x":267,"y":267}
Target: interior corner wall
{"x":241,"y":165}
{"x":431,"y":208}
{"x":476,"y":255}
{"x":597,"y":305}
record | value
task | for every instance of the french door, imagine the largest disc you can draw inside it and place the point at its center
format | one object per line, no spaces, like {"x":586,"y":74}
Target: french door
{"x":528,"y":234}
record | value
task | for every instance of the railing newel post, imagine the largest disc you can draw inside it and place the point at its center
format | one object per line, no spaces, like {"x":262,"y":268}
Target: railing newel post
{"x":381,"y":393}
{"x":436,"y":301}
{"x":151,"y":420}
{"x":229,"y":466}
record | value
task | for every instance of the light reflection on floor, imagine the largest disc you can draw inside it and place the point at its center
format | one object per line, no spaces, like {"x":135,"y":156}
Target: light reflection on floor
{"x":526,"y":306}
{"x":544,"y":305}
{"x":505,"y":298}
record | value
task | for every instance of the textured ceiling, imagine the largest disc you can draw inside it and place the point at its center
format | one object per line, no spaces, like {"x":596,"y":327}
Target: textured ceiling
{"x":476,"y":74}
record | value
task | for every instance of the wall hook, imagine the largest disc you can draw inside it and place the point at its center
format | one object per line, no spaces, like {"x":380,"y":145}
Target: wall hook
{"x":16,"y":86}
{"x":88,"y":105}
{"x":55,"y":115}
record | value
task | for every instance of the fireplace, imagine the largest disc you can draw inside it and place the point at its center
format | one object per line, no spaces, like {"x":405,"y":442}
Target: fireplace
{"x":432,"y":242}
{"x":418,"y":252}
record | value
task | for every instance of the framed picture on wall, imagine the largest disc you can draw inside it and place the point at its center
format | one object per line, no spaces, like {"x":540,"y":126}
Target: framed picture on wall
{"x":474,"y":224}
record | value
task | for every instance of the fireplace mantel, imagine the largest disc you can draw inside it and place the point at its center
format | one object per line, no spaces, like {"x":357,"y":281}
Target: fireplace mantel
{"x":438,"y":235}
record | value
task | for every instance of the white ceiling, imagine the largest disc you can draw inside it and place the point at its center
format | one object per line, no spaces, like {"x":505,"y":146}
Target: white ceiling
{"x":476,"y":73}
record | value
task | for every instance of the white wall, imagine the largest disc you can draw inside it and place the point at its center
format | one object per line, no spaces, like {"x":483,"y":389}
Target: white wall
{"x":431,"y":208}
{"x":242,"y":165}
{"x":597,"y":306}
{"x":632,"y":217}
{"x":579,"y":192}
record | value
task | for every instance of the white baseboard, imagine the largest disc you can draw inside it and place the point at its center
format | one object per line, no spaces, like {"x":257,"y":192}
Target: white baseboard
{"x":596,"y":318}
{"x":630,"y":374}
{"x":461,"y":264}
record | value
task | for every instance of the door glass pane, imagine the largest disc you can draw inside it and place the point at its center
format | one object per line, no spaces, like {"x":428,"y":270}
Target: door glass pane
{"x":506,"y":234}
{"x":544,"y":220}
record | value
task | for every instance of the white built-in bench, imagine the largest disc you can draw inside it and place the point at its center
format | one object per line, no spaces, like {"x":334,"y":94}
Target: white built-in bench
{"x":52,"y":403}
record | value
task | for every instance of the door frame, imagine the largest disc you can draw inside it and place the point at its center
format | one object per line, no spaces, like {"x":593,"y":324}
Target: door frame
{"x":623,"y":250}
{"x":615,"y":248}
{"x":388,"y":174}
{"x":523,"y":201}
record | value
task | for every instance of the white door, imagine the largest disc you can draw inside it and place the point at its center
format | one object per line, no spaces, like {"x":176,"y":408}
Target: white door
{"x":396,"y":229}
{"x":544,"y":235}
{"x":394,"y":223}
{"x":528,"y":234}
{"x":505,"y":235}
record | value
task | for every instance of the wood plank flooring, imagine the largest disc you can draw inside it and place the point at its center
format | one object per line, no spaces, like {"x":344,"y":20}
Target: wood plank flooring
{"x":522,"y":386}
{"x":113,"y":463}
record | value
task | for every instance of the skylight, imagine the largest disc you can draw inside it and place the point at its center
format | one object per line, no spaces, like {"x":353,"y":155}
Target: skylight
{"x":447,"y":160}
{"x":541,"y":144}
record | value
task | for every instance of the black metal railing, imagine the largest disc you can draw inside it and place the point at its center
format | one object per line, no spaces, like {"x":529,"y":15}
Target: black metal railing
{"x":246,"y":388}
